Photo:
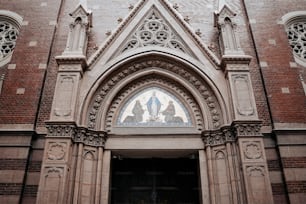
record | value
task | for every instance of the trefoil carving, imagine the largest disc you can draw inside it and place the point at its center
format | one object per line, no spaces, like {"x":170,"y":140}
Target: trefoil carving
{"x":154,"y":31}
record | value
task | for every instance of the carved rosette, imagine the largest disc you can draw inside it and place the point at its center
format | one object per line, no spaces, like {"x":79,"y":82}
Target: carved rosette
{"x":252,"y":150}
{"x":56,"y":151}
{"x":175,"y":69}
{"x":218,"y":137}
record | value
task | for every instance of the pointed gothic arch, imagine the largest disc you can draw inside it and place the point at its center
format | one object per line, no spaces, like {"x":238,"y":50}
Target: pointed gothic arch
{"x":199,"y":93}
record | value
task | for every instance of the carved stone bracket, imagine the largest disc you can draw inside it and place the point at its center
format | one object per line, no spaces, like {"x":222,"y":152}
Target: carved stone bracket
{"x":77,"y":134}
{"x":218,"y":137}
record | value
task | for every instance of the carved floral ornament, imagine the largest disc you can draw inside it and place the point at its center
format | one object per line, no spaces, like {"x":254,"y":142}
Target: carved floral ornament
{"x":252,"y":150}
{"x":56,"y":150}
{"x":149,"y":64}
{"x":77,"y":134}
{"x":218,"y":137}
{"x":227,"y":134}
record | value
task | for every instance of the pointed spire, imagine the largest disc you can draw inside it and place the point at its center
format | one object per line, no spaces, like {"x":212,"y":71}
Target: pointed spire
{"x":221,"y":4}
{"x":84,"y":4}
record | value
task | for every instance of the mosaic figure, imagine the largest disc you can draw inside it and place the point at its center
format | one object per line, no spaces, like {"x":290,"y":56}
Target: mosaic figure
{"x":153,"y":106}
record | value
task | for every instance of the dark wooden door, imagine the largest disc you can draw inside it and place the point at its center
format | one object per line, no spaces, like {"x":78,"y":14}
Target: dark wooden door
{"x":155,"y":181}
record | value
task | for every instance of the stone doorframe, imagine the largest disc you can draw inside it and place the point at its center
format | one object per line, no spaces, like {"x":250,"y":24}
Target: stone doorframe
{"x":76,"y":166}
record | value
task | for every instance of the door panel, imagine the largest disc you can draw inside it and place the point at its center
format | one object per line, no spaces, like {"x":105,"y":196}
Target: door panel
{"x":155,"y":181}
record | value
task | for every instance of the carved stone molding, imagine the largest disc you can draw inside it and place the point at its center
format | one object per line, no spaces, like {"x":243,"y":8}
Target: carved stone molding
{"x":77,"y":134}
{"x":60,"y":130}
{"x":218,"y":137}
{"x":230,"y":133}
{"x":89,"y":137}
{"x":175,"y":69}
{"x":247,"y":128}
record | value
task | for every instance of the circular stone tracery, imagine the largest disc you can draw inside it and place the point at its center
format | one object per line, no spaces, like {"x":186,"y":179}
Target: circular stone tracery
{"x":8,"y":37}
{"x":177,"y":70}
{"x":297,"y":38}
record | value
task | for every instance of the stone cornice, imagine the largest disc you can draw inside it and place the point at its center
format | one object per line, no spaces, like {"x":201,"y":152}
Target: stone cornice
{"x":72,"y":60}
{"x":235,"y":59}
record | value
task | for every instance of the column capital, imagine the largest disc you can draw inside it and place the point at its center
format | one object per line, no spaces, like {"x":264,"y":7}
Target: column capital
{"x":76,"y":134}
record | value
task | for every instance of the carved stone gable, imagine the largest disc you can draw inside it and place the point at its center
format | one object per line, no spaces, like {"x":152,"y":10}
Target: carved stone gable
{"x":154,"y":31}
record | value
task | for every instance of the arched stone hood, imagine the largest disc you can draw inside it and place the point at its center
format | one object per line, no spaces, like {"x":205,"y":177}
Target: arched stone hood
{"x":202,"y":92}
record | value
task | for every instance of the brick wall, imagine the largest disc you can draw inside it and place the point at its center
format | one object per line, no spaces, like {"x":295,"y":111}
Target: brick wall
{"x":22,"y":85}
{"x":284,"y":88}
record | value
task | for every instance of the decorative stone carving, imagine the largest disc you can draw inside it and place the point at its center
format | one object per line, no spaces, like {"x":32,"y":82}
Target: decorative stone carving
{"x":8,"y":37}
{"x":154,"y":31}
{"x":77,"y":134}
{"x":175,"y":69}
{"x":247,"y":128}
{"x":60,"y":130}
{"x":154,"y":5}
{"x":252,"y":150}
{"x":218,"y":137}
{"x":89,"y":137}
{"x":79,"y":28}
{"x":243,"y":91}
{"x":225,"y":22}
{"x":220,"y":155}
{"x":56,"y":150}
{"x":296,"y":35}
{"x":255,"y":171}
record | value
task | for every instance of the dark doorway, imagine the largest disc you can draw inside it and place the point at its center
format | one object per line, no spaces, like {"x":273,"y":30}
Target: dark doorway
{"x":155,"y":181}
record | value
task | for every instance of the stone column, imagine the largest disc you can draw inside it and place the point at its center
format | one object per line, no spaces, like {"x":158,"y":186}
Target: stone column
{"x":246,"y":125}
{"x":204,"y":177}
{"x":106,"y":177}
{"x":254,"y":162}
{"x":61,"y":153}
{"x":53,"y":186}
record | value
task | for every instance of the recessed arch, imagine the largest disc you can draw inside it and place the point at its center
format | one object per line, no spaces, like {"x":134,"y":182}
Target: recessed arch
{"x":206,"y":95}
